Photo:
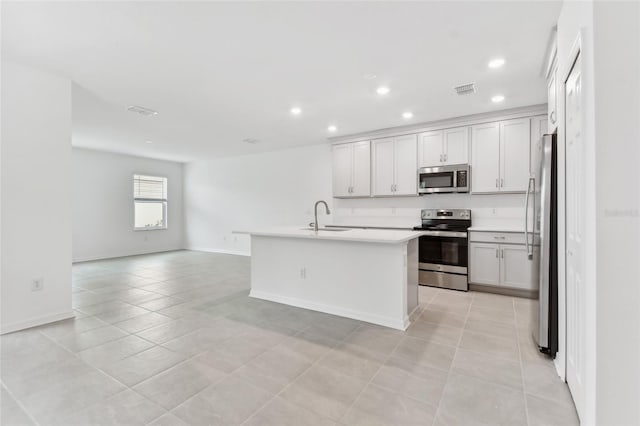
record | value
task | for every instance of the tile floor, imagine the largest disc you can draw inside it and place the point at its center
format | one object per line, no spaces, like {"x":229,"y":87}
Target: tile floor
{"x":173,"y":339}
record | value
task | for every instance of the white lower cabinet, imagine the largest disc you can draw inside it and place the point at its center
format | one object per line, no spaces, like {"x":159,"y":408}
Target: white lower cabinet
{"x":515,"y":267}
{"x":484,"y":263}
{"x":503,"y":265}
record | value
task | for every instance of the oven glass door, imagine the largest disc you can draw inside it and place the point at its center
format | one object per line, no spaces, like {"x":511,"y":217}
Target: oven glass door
{"x":450,"y":251}
{"x":437,"y":181}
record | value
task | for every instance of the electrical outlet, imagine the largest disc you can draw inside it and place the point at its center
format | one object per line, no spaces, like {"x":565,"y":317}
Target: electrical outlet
{"x":37,"y":284}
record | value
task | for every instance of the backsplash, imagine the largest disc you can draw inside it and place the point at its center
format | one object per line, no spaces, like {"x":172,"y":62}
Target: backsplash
{"x":486,"y":210}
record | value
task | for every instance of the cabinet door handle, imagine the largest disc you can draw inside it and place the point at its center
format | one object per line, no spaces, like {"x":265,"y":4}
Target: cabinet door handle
{"x":502,"y":253}
{"x":552,"y":117}
{"x":496,"y":183}
{"x":497,"y":253}
{"x":446,"y":156}
{"x":350,"y":189}
{"x":502,"y":183}
{"x":441,"y":158}
{"x":499,"y":237}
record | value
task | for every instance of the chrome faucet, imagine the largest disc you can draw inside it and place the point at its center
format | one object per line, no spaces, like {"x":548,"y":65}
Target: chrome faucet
{"x":315,"y":214}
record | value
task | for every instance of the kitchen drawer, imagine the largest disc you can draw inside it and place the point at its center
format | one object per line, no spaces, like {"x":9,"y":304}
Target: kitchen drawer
{"x":498,"y":237}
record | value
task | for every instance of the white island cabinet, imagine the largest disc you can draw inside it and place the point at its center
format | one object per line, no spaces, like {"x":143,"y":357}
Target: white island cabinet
{"x":367,"y":275}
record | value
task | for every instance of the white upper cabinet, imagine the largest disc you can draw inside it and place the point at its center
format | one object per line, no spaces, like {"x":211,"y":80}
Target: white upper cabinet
{"x":456,"y":146}
{"x":443,"y":147}
{"x":430,"y":148}
{"x":515,"y":138}
{"x":394,"y":162}
{"x":351,"y":169}
{"x":342,"y":167}
{"x":485,"y":158}
{"x":361,"y":176}
{"x":500,"y":156}
{"x":406,"y":166}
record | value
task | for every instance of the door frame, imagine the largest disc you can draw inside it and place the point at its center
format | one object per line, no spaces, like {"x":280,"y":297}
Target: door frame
{"x":587,"y":416}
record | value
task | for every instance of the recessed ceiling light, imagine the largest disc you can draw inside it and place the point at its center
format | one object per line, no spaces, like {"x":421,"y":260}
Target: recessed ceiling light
{"x":382,"y":90}
{"x":497,"y":98}
{"x":149,"y":141}
{"x":250,"y":140}
{"x":296,"y":111}
{"x":407,"y":115}
{"x":496,"y":63}
{"x":332,"y":128}
{"x":148,"y":112}
{"x":370,"y":76}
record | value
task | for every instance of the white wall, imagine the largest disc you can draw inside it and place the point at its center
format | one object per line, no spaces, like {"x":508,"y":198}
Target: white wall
{"x":103,"y":205}
{"x":617,"y":155}
{"x":36,"y":196}
{"x":252,"y":191}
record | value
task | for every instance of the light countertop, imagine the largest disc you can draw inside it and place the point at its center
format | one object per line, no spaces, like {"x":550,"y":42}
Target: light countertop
{"x":382,"y":236}
{"x":497,"y":228}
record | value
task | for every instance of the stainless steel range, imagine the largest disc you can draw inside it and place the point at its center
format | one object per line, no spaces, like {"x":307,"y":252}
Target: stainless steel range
{"x":443,"y":249}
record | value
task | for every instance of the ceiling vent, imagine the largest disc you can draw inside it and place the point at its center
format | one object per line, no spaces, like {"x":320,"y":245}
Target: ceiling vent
{"x":250,"y":140}
{"x":465,"y":89}
{"x":142,"y":110}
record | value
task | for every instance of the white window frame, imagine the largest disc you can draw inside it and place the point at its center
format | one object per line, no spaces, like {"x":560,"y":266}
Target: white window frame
{"x":164,"y":201}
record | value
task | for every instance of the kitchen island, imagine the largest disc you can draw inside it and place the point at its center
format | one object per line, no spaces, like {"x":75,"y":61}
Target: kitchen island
{"x":364,"y":274}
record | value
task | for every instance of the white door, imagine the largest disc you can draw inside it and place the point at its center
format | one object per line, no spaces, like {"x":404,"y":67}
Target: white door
{"x":383,"y":166}
{"x":485,"y":158}
{"x":456,"y":146}
{"x":341,"y":163}
{"x":430,"y":149}
{"x":515,"y":267}
{"x":406,"y":165}
{"x":515,"y":138}
{"x":575,"y":207}
{"x":361,"y":169}
{"x":484,"y":263}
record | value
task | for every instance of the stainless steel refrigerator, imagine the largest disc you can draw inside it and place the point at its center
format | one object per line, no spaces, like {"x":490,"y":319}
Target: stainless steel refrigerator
{"x":541,"y":234}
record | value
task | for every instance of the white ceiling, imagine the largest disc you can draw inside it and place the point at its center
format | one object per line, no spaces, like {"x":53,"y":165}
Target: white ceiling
{"x":221,"y":72}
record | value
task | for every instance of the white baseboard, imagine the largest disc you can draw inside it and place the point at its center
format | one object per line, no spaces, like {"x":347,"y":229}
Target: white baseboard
{"x":221,"y":251}
{"x":34,"y":322}
{"x":116,"y":256}
{"x":398,"y":324}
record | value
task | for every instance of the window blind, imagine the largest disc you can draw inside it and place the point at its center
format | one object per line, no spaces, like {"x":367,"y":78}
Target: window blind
{"x":149,"y":188}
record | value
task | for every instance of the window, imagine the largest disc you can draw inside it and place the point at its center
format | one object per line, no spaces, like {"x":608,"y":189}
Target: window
{"x":150,"y":202}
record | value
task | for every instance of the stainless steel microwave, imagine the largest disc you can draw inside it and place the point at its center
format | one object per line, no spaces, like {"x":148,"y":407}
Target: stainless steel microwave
{"x":443,"y":179}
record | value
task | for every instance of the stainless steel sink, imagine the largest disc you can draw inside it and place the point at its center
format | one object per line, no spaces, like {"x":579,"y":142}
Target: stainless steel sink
{"x":326,"y":229}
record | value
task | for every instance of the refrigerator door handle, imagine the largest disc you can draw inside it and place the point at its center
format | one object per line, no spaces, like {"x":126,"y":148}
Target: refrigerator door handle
{"x":526,"y":217}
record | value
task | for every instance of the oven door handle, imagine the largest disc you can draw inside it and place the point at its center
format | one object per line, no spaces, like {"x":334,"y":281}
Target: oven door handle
{"x":444,"y":234}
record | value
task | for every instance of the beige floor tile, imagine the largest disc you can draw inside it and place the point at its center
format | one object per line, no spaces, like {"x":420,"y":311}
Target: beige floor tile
{"x":380,"y":407}
{"x":354,"y":361}
{"x":169,"y":331}
{"x":273,"y":370}
{"x":492,"y":328}
{"x":324,"y":391}
{"x":280,"y":412}
{"x":11,"y":413}
{"x":488,"y":314}
{"x":425,"y":384}
{"x":426,"y":353}
{"x":168,"y":419}
{"x":175,"y":385}
{"x":125,"y":408}
{"x":470,"y":401}
{"x":543,"y":412}
{"x":56,"y":402}
{"x":143,"y":365}
{"x":231,"y":354}
{"x":309,"y":346}
{"x":374,"y":338}
{"x":88,"y":339}
{"x":114,"y":351}
{"x":542,"y":380}
{"x":229,"y":402}
{"x":491,"y":345}
{"x":436,"y":333}
{"x":142,"y":322}
{"x":493,"y":301}
{"x":482,"y":366}
{"x":444,"y":318}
